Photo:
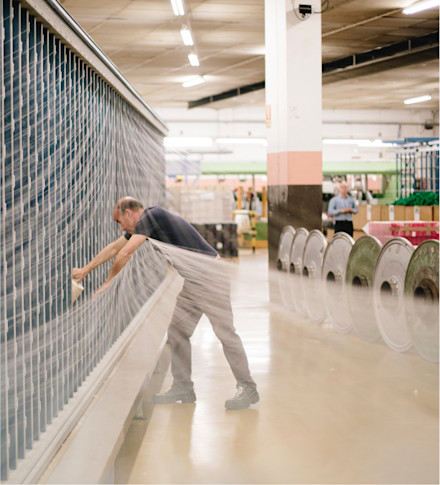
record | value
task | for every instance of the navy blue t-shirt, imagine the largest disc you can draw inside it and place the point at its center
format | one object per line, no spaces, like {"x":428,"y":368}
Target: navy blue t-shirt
{"x":162,"y":225}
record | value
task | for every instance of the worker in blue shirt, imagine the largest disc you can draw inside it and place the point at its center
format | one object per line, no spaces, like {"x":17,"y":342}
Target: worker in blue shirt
{"x":341,"y":208}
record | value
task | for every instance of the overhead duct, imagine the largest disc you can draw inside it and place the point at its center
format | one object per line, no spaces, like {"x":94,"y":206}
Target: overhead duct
{"x":416,"y":49}
{"x":231,"y":93}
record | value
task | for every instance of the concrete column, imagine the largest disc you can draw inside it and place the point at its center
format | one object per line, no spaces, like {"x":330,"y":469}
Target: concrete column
{"x":293,"y":117}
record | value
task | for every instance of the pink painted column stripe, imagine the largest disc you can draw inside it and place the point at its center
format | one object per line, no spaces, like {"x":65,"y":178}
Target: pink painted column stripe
{"x":294,"y":168}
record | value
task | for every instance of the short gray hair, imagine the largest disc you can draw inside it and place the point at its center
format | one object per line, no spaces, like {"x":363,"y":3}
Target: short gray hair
{"x":128,"y":203}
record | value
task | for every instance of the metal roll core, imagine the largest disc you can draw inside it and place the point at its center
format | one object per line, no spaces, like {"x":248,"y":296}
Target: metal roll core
{"x":311,"y":276}
{"x":388,"y":293}
{"x":296,"y":267}
{"x":334,"y":269}
{"x":359,"y":280}
{"x":284,"y":247}
{"x":422,"y":299}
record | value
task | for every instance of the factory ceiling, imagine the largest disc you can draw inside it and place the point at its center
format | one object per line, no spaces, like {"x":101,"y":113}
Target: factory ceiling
{"x":373,"y":55}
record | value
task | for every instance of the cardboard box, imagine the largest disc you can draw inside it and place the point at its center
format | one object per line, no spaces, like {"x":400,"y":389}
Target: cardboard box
{"x":358,"y":234}
{"x":392,"y":213}
{"x":399,"y":212}
{"x":435,"y":213}
{"x":385,"y":212}
{"x":330,"y":233}
{"x":426,"y":213}
{"x":366,"y":213}
{"x":409,"y":214}
{"x":360,"y":219}
{"x":418,"y":213}
{"x":375,"y":213}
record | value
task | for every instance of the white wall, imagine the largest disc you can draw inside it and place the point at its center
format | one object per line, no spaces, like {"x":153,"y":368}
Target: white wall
{"x":373,"y":125}
{"x":249,"y":122}
{"x":226,"y":123}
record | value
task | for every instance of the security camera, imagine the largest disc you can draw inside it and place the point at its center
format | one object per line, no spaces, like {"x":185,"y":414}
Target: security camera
{"x":299,"y":12}
{"x":304,"y":9}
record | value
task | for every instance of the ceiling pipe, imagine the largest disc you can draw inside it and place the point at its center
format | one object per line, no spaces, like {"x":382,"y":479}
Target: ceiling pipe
{"x":361,"y":22}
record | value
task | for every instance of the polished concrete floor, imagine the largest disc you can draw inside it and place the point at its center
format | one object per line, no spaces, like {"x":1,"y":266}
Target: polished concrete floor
{"x":333,"y":409}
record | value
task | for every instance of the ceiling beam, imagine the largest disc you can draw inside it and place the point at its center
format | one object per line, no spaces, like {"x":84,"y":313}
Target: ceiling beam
{"x":227,"y":94}
{"x":385,"y":53}
{"x":410,"y":51}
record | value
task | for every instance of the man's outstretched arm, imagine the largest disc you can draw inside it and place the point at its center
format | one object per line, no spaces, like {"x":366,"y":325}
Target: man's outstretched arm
{"x":103,"y":256}
{"x":121,"y":259}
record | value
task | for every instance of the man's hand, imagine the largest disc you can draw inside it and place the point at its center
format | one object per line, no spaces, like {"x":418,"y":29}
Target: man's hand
{"x":104,"y":287}
{"x":103,"y":256}
{"x":78,"y":274}
{"x":123,"y":255}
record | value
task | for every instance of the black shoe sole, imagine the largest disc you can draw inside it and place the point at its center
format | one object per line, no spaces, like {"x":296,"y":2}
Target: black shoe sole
{"x":234,"y":406}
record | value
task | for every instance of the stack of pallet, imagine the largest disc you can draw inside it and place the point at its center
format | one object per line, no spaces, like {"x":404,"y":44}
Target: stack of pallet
{"x":221,"y":236}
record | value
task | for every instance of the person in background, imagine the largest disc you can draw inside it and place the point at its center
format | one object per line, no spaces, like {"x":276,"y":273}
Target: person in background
{"x":342,"y":207}
{"x":235,"y":201}
{"x":205,"y":291}
{"x":250,"y":199}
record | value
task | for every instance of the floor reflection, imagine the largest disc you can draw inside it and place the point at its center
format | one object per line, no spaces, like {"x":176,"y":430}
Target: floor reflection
{"x":334,"y":408}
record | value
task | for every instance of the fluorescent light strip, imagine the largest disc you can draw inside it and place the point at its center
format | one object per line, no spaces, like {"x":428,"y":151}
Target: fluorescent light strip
{"x":193,"y":82}
{"x":177,"y":7}
{"x":349,"y":141}
{"x":186,"y":37}
{"x":376,"y":143}
{"x":419,"y":99}
{"x":359,"y":142}
{"x":421,"y":6}
{"x":193,"y":60}
{"x":175,"y":141}
{"x":242,"y":141}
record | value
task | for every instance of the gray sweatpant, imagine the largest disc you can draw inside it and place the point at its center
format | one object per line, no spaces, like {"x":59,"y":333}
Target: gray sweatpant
{"x":207,"y":292}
